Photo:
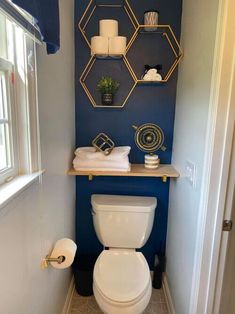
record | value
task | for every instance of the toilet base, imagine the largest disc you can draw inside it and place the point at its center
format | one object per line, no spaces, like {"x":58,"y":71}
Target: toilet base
{"x":110,"y":307}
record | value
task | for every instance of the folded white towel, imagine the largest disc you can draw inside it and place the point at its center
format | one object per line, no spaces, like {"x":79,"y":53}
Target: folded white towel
{"x":87,"y":169}
{"x":152,"y":72}
{"x":147,"y":77}
{"x":90,"y":153}
{"x":158,"y":77}
{"x":155,"y":77}
{"x":104,"y":164}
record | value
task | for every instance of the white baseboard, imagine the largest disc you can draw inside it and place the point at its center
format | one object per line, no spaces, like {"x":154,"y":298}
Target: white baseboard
{"x":69,"y":297}
{"x":167,"y":292}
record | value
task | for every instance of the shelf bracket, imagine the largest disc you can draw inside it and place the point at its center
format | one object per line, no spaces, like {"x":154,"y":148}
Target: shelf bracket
{"x":164,"y":178}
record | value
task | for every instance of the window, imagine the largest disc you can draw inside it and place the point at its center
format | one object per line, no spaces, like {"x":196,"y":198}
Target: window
{"x":19,"y":135}
{"x":8,"y":160}
{"x":6,"y":149}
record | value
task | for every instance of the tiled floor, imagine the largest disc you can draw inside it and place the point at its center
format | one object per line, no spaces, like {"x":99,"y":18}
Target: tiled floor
{"x":87,"y":305}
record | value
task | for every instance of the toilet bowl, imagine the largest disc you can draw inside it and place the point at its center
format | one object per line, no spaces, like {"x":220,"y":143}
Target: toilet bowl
{"x":122,"y":282}
{"x":121,"y":278}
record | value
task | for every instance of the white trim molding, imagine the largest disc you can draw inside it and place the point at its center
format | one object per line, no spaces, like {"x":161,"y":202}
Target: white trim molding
{"x":167,"y":292}
{"x":68,"y":301}
{"x":13,"y":188}
{"x":215,"y":175}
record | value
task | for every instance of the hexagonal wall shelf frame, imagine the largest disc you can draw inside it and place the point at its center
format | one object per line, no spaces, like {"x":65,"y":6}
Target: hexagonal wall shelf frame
{"x":164,"y":30}
{"x":86,"y":72}
{"x":92,"y":6}
{"x":167,"y":32}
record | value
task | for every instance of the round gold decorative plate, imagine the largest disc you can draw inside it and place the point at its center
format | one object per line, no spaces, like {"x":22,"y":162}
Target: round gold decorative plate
{"x":149,"y":137}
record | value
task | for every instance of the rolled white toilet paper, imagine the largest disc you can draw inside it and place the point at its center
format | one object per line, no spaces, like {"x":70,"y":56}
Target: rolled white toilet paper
{"x":100,"y":46}
{"x":117,"y":45}
{"x":108,"y":28}
{"x":64,"y":247}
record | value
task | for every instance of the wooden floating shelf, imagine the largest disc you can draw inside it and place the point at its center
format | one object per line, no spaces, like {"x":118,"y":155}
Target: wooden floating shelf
{"x":137,"y":170}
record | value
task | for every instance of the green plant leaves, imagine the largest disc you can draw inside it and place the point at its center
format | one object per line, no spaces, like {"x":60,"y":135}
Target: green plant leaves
{"x":107,"y":85}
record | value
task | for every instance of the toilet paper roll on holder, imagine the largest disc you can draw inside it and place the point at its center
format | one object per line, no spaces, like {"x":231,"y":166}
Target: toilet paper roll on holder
{"x":61,"y":256}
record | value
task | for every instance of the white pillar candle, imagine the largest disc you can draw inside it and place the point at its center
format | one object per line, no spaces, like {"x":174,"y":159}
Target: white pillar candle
{"x":151,"y":161}
{"x":151,"y":18}
{"x":108,"y":28}
{"x":117,"y":45}
{"x":100,"y":46}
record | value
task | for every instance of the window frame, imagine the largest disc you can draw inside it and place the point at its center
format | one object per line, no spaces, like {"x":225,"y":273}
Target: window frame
{"x":23,"y":106}
{"x":7,"y":69}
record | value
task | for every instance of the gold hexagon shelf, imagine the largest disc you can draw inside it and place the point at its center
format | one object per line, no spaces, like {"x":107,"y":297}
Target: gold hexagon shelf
{"x":167,"y":32}
{"x":164,"y":30}
{"x":92,"y":6}
{"x":86,"y":72}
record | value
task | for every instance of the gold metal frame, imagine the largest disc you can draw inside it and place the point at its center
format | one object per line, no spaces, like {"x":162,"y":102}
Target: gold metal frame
{"x":165,"y":30}
{"x":148,"y":126}
{"x":91,"y":9}
{"x":168,"y":33}
{"x":86,"y":72}
{"x":103,"y":143}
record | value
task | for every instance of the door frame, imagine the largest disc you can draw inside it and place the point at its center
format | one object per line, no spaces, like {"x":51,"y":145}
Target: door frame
{"x":215,"y":172}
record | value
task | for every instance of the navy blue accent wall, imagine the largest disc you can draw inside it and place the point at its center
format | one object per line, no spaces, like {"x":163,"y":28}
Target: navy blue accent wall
{"x":155,"y":104}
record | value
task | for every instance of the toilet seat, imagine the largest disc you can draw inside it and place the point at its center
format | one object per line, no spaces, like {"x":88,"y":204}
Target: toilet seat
{"x":122,"y":276}
{"x":110,"y":307}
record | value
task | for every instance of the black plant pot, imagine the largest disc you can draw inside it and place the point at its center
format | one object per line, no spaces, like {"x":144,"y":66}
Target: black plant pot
{"x":107,"y":99}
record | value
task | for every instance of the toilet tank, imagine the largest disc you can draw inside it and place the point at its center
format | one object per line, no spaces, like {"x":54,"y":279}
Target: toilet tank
{"x":123,"y":221}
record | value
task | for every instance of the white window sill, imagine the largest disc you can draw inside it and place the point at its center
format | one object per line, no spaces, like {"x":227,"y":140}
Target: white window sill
{"x":10,"y":190}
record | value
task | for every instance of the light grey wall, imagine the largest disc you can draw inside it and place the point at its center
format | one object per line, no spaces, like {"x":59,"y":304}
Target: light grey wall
{"x":193,"y":96}
{"x":44,"y":213}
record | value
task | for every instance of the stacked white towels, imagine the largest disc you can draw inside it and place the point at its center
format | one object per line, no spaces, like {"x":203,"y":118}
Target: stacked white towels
{"x":87,"y":158}
{"x":152,"y":75}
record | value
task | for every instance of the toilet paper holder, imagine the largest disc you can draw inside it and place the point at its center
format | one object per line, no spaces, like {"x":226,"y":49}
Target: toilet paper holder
{"x":61,"y":256}
{"x":47,"y":260}
{"x":58,"y":260}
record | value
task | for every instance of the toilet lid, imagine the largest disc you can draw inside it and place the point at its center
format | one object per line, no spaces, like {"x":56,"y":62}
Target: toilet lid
{"x":121,"y":275}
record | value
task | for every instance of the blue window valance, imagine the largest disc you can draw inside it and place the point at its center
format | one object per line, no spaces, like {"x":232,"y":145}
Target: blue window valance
{"x":46,"y":15}
{"x":20,"y":19}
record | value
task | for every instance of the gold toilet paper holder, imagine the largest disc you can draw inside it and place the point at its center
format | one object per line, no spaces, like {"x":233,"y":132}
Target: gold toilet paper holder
{"x":58,"y":260}
{"x":47,"y":260}
{"x":61,"y":255}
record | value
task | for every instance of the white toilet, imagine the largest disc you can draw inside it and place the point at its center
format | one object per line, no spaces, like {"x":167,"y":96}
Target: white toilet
{"x":121,"y":280}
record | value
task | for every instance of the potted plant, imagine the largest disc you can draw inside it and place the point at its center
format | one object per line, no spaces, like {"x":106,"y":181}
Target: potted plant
{"x":108,"y":88}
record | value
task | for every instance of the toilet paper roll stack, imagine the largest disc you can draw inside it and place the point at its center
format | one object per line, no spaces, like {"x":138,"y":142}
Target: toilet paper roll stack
{"x":108,"y":28}
{"x":64,"y":247}
{"x":117,"y":45}
{"x":100,"y":46}
{"x":108,"y":42}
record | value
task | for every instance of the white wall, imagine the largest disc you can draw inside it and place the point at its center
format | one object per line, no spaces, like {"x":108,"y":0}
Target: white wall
{"x":193,"y":96}
{"x":33,"y":221}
